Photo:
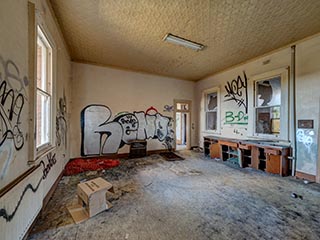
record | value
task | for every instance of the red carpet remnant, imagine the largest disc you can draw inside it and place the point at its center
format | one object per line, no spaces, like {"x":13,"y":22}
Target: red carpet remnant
{"x":81,"y":165}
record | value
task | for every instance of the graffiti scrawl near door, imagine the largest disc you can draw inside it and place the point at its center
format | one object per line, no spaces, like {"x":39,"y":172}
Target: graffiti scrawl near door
{"x":102,"y":136}
{"x":237,"y":91}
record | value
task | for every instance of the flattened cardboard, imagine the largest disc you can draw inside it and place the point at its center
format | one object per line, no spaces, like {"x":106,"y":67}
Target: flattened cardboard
{"x":91,"y":199}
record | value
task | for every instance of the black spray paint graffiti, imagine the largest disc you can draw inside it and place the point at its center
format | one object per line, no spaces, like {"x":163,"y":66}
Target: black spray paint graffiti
{"x":46,"y":169}
{"x":237,"y":91}
{"x":11,"y":103}
{"x":61,"y":123}
{"x":168,"y":108}
{"x":102,"y":136}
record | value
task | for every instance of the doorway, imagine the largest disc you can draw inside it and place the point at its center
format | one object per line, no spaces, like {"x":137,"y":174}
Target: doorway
{"x":182,"y":124}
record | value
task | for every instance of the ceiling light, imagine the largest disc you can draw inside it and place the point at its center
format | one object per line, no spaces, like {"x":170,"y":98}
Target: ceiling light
{"x":183,"y":42}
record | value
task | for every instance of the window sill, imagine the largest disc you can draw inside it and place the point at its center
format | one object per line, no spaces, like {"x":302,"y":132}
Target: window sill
{"x":211,"y":132}
{"x":41,"y":154}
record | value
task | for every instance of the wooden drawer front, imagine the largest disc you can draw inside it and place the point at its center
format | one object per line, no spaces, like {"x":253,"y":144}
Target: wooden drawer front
{"x":230,"y":144}
{"x":245,"y":146}
{"x":273,"y":164}
{"x":272,"y":151}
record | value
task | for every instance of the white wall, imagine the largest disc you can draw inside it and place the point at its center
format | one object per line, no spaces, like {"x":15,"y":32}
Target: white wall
{"x":308,"y":103}
{"x":278,"y":60}
{"x":307,"y":98}
{"x":14,"y":64}
{"x":123,"y":91}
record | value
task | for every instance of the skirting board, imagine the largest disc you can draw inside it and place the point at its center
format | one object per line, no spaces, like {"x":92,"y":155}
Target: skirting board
{"x":306,"y":176}
{"x":123,"y":155}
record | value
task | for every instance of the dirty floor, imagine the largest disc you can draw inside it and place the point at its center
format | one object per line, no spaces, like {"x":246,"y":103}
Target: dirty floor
{"x":197,"y":198}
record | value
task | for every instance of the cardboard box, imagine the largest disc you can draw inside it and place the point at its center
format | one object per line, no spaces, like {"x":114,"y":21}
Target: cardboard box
{"x":91,"y":199}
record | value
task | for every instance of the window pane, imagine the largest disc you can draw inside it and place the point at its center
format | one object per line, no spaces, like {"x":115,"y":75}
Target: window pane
{"x":269,"y":92}
{"x":212,"y":101}
{"x":268,"y":120}
{"x":43,"y":119}
{"x":182,"y":106}
{"x":41,"y":65}
{"x":211,"y":120}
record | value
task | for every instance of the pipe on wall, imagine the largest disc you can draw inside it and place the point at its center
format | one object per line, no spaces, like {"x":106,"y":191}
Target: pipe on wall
{"x":292,"y":108}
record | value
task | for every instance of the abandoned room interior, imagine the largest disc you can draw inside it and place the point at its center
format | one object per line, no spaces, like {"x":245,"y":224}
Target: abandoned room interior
{"x":154,"y":119}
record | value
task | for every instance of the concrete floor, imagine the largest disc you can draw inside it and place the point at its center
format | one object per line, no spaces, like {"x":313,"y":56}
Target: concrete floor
{"x":197,"y":198}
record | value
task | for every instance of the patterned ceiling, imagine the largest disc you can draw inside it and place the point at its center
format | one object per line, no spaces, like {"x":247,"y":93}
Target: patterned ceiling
{"x":128,"y":34}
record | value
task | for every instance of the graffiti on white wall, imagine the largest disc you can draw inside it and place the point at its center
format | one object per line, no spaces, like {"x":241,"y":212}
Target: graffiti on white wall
{"x":101,"y":135}
{"x":51,"y":161}
{"x":306,"y":138}
{"x":236,"y":117}
{"x":237,"y":91}
{"x":12,"y":99}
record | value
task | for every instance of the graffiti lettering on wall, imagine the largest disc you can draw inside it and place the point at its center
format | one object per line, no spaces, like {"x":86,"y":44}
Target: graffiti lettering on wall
{"x":46,"y":169}
{"x":239,"y":118}
{"x":11,"y":103}
{"x":305,"y":137}
{"x":61,"y":122}
{"x":12,"y":98}
{"x":168,"y":108}
{"x":237,"y":91}
{"x":9,"y":216}
{"x":100,"y":135}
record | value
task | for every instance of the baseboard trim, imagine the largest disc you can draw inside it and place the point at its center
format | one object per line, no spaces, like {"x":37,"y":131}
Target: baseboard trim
{"x":306,"y":176}
{"x":121,"y":155}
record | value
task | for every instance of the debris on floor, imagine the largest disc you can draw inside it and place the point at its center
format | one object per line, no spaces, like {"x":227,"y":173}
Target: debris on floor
{"x":294,"y":195}
{"x":171,"y":156}
{"x":150,"y":201}
{"x":80,"y":165}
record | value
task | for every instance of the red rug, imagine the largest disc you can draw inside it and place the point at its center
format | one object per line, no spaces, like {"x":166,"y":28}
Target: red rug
{"x":80,"y":165}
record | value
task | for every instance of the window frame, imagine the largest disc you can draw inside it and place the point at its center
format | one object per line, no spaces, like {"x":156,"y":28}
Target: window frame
{"x":48,"y":92}
{"x":205,"y":110}
{"x":38,"y":152}
{"x":283,"y":73}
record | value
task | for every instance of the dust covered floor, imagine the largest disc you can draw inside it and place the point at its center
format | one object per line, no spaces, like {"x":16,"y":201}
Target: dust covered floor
{"x":197,"y":198}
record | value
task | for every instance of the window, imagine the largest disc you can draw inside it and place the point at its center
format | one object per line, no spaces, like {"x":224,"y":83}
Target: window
{"x":211,"y":110}
{"x":183,"y":106}
{"x":268,"y":105}
{"x":43,"y":92}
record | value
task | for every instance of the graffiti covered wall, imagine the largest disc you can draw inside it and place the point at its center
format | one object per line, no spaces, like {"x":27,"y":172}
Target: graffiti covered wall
{"x":120,"y":90}
{"x":235,"y":106}
{"x":22,"y":201}
{"x":101,"y":135}
{"x":13,"y":98}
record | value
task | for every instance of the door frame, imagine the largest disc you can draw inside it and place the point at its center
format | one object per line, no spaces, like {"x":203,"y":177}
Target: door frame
{"x":188,"y":125}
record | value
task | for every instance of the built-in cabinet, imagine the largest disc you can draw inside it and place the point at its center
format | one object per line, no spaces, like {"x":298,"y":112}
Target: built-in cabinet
{"x":265,"y":156}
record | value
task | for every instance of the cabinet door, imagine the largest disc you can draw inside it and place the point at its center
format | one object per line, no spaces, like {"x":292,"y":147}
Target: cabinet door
{"x":214,"y":150}
{"x":273,"y":164}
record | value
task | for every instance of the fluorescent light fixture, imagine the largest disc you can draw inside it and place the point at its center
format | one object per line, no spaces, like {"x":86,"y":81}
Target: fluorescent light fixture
{"x":183,"y":42}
